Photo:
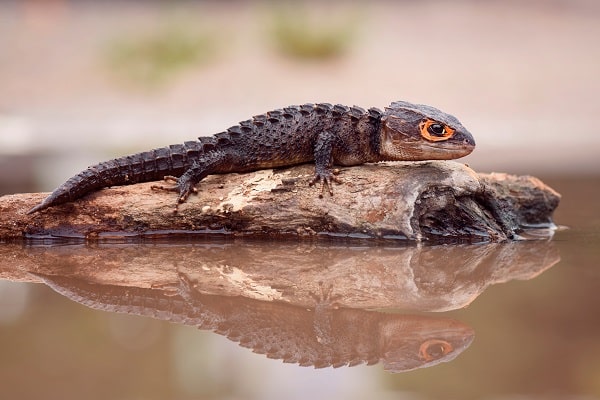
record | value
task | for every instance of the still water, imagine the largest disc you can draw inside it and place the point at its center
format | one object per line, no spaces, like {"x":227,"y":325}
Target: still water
{"x":184,"y":320}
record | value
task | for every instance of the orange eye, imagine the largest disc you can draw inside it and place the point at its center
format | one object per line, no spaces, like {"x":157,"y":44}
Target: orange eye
{"x":435,"y":131}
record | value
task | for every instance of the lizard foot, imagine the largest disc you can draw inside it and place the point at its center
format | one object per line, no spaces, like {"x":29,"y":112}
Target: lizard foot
{"x":184,"y":188}
{"x":325,"y":297}
{"x":326,"y":179}
{"x":324,"y":317}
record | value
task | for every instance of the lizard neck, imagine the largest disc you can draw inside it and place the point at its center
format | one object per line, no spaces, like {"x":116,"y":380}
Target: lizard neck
{"x":375,"y":116}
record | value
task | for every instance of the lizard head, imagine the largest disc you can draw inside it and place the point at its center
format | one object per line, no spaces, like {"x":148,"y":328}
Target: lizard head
{"x":419,"y":132}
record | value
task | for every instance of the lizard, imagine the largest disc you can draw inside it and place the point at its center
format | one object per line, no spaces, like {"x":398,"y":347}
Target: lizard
{"x":322,"y":133}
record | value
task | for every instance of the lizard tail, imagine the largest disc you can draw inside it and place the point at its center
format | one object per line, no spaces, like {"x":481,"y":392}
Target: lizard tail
{"x":141,"y":167}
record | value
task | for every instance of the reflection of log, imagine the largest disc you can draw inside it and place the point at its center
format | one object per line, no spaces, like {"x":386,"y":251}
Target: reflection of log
{"x":323,"y":336}
{"x":424,"y":278}
{"x":427,"y":200}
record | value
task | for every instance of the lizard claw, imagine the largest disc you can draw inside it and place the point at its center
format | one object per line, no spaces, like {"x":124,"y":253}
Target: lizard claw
{"x":326,"y":179}
{"x":325,"y":296}
{"x":168,"y":178}
{"x":184,"y":188}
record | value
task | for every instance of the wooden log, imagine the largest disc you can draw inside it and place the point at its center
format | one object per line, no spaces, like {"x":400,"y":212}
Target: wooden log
{"x":432,"y":200}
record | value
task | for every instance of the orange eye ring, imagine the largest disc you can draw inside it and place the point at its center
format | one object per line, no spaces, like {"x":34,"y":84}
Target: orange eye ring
{"x":435,"y":131}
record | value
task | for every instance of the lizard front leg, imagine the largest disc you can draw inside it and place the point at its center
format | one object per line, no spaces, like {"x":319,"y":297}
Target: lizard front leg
{"x":185,"y":185}
{"x":324,"y":172}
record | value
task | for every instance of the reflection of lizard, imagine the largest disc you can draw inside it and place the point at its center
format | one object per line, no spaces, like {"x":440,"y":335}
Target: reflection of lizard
{"x":285,"y":331}
{"x":323,"y":133}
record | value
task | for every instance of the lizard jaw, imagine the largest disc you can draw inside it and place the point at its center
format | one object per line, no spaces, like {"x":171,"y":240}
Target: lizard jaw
{"x":421,"y":150}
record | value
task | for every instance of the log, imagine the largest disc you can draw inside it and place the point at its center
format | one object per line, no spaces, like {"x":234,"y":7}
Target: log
{"x":419,"y":201}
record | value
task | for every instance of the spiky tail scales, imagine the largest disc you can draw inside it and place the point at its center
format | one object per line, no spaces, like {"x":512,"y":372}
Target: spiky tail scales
{"x":141,"y":167}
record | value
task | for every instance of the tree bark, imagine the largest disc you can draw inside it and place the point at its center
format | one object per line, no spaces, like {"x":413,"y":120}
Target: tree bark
{"x":432,"y":200}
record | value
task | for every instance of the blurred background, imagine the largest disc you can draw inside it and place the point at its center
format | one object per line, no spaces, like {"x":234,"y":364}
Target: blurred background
{"x":85,"y":81}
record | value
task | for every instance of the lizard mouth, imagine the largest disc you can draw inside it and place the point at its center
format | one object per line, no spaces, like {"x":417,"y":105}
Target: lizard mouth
{"x":461,"y":144}
{"x":448,"y":150}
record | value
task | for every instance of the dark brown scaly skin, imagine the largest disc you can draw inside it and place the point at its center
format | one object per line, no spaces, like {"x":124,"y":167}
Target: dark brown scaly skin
{"x":324,"y":133}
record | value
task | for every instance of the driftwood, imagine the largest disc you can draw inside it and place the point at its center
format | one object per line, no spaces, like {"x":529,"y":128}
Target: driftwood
{"x":435,"y":200}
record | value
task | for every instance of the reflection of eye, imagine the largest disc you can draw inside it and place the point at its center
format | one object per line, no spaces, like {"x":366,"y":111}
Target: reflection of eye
{"x":433,"y":349}
{"x":436,"y":129}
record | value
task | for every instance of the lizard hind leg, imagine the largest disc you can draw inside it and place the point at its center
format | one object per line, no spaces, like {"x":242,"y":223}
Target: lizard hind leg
{"x":186,"y":184}
{"x":184,"y":187}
